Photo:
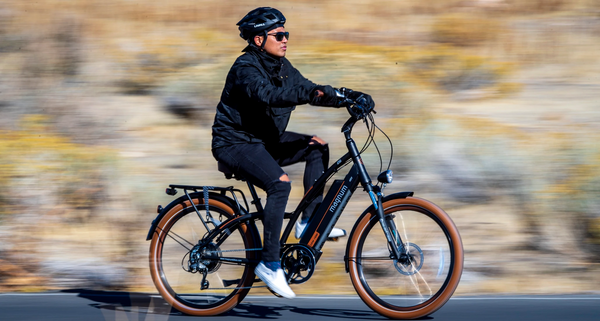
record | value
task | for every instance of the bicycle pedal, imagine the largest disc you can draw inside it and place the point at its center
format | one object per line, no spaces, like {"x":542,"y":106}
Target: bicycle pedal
{"x":333,"y":239}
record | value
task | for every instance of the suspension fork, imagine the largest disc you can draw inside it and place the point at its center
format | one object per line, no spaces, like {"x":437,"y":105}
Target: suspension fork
{"x":374,"y":193}
{"x":389,"y":230}
{"x":386,"y":221}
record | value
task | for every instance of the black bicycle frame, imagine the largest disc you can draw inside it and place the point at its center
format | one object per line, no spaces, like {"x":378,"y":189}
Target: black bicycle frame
{"x":329,"y":211}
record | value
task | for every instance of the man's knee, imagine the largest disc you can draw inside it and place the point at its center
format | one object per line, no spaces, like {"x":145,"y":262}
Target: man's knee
{"x":318,"y":152}
{"x":281,"y":187}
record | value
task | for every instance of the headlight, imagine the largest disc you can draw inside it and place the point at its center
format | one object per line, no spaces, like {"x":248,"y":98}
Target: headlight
{"x":385,"y":177}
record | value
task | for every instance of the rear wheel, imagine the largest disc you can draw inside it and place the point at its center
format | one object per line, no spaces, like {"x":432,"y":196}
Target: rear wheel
{"x":428,"y":271}
{"x":187,"y":271}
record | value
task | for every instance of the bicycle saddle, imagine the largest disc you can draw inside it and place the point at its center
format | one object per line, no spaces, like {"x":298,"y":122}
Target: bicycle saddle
{"x":229,"y":174}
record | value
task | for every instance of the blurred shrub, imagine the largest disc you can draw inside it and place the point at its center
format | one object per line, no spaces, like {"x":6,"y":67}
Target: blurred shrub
{"x":463,"y":153}
{"x":388,"y":71}
{"x":34,"y":157}
{"x":51,"y":51}
{"x":191,"y":95}
{"x":571,"y":194}
{"x":143,"y":72}
{"x":67,"y":38}
{"x":536,"y":6}
{"x":148,"y":62}
{"x":144,"y":68}
{"x":511,"y":6}
{"x":594,"y":235}
{"x":462,"y":29}
{"x":10,"y":41}
{"x":452,"y":70}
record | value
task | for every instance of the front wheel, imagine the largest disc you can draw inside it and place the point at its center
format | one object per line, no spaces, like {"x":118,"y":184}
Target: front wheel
{"x":425,"y":276}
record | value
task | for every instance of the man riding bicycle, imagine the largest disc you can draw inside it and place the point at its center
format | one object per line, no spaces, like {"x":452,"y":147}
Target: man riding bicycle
{"x":249,"y":137}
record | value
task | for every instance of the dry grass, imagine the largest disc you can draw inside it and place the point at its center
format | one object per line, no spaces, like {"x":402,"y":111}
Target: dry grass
{"x":465,"y":29}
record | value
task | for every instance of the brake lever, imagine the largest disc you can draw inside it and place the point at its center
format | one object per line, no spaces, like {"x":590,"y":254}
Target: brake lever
{"x":350,"y":106}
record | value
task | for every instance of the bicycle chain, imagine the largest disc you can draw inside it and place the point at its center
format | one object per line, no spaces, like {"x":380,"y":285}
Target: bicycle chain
{"x":238,"y":288}
{"x":211,"y":252}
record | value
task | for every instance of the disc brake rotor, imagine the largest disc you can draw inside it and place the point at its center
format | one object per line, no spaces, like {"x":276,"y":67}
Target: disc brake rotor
{"x":412,"y":260}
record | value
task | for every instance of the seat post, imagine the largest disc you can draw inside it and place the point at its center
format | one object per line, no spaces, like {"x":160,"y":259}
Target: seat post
{"x":255,"y":198}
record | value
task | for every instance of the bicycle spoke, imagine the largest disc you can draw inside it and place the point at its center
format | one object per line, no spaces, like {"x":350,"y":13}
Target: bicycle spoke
{"x":422,"y":270}
{"x":212,"y":273}
{"x":405,"y":238}
{"x":181,"y":238}
{"x":415,"y":272}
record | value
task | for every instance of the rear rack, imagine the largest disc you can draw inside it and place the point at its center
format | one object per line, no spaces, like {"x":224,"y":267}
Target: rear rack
{"x":172,"y":190}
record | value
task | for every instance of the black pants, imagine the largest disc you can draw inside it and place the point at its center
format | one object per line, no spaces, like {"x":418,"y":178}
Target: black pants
{"x":261,"y":166}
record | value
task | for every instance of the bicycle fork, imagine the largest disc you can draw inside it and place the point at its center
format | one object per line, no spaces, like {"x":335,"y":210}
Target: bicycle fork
{"x":375,"y":193}
{"x":390,"y":231}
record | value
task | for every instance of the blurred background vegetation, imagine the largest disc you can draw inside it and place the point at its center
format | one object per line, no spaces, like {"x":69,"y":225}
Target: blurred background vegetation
{"x":492,"y":106}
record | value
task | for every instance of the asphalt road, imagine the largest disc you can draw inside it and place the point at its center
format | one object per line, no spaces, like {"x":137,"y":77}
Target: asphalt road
{"x":108,"y":306}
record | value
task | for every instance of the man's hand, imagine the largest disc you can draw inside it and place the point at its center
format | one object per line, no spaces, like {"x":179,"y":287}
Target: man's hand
{"x":365,"y":100}
{"x":316,"y":140}
{"x":326,"y":96}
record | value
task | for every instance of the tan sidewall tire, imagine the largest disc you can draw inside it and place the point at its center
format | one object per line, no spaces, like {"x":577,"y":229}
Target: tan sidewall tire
{"x":454,"y":279}
{"x":155,"y":250}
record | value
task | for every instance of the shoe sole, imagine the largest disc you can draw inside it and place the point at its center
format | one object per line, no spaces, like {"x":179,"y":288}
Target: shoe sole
{"x":259,"y":274}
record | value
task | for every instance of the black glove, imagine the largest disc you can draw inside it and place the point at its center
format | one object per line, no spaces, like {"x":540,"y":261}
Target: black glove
{"x":363,"y":101}
{"x":326,"y":96}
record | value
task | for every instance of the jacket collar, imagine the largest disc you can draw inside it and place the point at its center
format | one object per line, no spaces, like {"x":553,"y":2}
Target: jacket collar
{"x":271,"y":64}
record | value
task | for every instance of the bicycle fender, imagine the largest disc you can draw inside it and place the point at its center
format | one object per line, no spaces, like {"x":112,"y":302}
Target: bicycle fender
{"x":183,"y":199}
{"x":366,"y":211}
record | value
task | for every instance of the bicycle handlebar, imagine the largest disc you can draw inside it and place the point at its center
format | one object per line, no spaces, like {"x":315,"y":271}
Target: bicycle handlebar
{"x":358,"y":109}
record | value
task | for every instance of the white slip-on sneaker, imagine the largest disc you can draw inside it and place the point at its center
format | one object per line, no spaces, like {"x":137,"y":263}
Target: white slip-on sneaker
{"x":300,"y":227}
{"x":335,"y":232}
{"x":275,"y":280}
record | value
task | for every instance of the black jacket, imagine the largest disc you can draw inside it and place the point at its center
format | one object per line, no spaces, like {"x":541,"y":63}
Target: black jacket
{"x":259,"y":95}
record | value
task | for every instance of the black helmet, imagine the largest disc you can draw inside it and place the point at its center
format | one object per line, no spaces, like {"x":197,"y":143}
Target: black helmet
{"x":260,"y":20}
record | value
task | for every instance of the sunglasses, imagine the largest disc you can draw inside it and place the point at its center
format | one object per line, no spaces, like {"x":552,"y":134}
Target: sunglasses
{"x":279,"y":35}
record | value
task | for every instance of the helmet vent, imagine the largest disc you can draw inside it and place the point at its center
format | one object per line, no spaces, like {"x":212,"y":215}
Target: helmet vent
{"x":270,"y":17}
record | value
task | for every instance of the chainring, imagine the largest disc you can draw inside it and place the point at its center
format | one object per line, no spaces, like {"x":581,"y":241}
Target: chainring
{"x":298,"y":263}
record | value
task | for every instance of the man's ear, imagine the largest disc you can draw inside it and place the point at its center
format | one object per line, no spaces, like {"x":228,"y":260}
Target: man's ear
{"x":258,"y":40}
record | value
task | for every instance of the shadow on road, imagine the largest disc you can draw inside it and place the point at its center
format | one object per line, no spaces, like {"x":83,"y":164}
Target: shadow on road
{"x":245,"y":310}
{"x":145,"y":303}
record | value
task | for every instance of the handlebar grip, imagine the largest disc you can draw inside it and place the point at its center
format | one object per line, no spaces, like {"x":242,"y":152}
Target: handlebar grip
{"x":356,"y":108}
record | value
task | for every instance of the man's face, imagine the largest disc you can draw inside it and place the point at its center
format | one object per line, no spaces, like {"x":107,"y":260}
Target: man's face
{"x":273,"y":47}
